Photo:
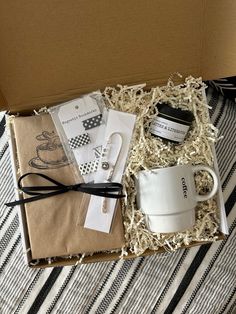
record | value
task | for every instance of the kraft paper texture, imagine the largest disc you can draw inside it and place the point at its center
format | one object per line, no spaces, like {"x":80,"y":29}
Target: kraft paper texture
{"x":54,"y":224}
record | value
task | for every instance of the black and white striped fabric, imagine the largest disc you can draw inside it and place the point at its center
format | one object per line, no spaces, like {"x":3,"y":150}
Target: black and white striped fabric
{"x":226,"y":86}
{"x":197,"y":280}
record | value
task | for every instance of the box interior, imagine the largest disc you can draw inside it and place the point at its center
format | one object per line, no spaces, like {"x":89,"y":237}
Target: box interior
{"x":106,"y":256}
{"x":52,"y":52}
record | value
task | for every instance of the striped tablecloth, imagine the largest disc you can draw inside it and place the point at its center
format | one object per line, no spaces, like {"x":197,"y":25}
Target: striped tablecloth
{"x":197,"y":280}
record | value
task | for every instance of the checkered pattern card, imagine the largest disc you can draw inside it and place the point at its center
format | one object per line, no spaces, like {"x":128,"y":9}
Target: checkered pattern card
{"x":81,"y":122}
{"x":79,"y":141}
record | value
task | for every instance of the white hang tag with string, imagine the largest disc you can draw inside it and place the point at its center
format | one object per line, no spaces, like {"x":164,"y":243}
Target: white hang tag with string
{"x":80,"y":124}
{"x":118,"y":134}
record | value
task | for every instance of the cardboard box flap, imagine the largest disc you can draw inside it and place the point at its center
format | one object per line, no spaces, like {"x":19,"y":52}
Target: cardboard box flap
{"x":53,"y":51}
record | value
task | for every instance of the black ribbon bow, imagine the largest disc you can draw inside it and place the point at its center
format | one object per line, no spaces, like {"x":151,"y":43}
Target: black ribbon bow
{"x":100,"y":189}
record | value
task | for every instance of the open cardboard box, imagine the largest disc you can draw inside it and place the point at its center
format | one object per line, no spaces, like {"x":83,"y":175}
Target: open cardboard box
{"x":52,"y":52}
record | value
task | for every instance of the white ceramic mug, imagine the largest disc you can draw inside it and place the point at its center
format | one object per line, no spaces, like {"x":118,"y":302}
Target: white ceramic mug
{"x":168,"y":197}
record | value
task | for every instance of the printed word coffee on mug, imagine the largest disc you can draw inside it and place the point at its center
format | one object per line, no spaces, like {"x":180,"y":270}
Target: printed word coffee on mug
{"x":168,"y":196}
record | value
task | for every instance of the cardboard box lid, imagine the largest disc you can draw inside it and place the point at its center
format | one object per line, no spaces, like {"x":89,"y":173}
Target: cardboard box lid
{"x":53,"y":51}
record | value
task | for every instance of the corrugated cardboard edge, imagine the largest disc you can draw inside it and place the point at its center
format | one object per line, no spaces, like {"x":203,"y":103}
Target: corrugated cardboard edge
{"x":220,"y":200}
{"x":102,"y":257}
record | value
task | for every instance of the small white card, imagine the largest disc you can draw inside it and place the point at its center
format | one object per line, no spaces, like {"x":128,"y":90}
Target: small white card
{"x":123,"y":124}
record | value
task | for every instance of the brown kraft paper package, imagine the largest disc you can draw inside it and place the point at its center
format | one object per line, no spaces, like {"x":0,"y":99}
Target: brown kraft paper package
{"x":53,"y":222}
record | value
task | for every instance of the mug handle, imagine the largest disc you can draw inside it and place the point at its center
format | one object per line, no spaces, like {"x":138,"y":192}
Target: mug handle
{"x":201,"y":198}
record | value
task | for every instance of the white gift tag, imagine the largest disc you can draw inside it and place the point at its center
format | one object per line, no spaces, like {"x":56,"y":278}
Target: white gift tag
{"x":82,"y":123}
{"x":121,"y":123}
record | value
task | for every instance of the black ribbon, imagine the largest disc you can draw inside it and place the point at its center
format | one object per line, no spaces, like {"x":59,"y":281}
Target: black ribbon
{"x":99,"y":189}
